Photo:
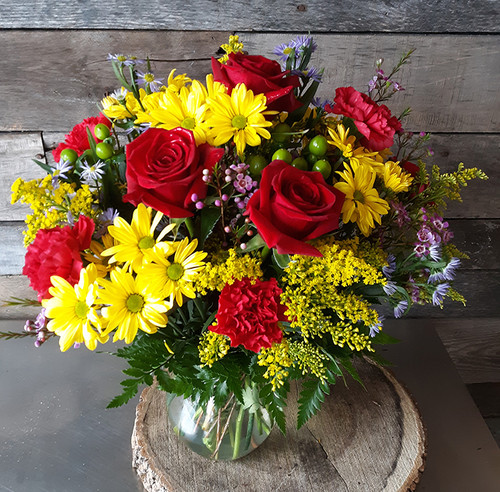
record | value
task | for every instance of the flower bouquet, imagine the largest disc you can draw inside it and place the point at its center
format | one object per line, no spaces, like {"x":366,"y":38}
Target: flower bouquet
{"x":237,"y":233}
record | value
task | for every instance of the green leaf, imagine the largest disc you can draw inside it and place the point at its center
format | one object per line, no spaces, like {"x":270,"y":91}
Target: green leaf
{"x":383,"y":338}
{"x":209,"y":218}
{"x":134,"y":372}
{"x":127,"y":394}
{"x":251,"y":400}
{"x":347,"y":364}
{"x":312,"y":396}
{"x":255,"y":243}
{"x":281,"y":260}
{"x":91,"y":140}
{"x":306,"y":101}
{"x":44,"y":166}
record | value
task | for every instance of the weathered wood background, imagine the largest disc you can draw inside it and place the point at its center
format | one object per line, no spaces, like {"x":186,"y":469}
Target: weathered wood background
{"x":53,"y":70}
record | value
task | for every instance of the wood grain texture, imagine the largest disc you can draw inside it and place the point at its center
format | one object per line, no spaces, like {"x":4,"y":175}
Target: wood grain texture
{"x":451,"y":83}
{"x":305,"y":15}
{"x":474,"y":346}
{"x":369,"y":439}
{"x":17,"y":151}
{"x":68,"y":73}
{"x":16,"y":286}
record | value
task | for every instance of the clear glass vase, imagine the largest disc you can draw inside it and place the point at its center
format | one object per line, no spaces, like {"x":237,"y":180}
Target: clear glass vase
{"x":225,"y":433}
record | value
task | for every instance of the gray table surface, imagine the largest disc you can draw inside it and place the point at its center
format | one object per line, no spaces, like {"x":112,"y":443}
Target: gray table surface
{"x":57,"y":436}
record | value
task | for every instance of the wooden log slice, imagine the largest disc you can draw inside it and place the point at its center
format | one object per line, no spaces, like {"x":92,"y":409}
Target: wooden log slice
{"x":368,"y":439}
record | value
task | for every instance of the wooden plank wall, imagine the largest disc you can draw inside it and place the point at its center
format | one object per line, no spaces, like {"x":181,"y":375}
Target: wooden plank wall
{"x":53,"y":71}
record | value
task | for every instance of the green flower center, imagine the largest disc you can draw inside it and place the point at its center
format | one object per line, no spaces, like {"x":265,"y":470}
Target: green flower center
{"x":287,"y":50}
{"x":188,"y":123}
{"x":239,"y":122}
{"x":81,"y":309}
{"x":149,"y":77}
{"x":146,"y":242}
{"x":134,"y":303}
{"x":175,"y":271}
{"x":121,"y":58}
{"x":358,"y":196}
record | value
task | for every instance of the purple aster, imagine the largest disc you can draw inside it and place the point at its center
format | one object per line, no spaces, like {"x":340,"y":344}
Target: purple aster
{"x":376,"y":327}
{"x":149,"y":80}
{"x":319,"y":103}
{"x":303,"y":42}
{"x":440,"y":293}
{"x":400,"y":309}
{"x":390,"y":288}
{"x":435,"y":252}
{"x":61,"y":169}
{"x":283,"y":51}
{"x":447,"y":273}
{"x":389,"y":269}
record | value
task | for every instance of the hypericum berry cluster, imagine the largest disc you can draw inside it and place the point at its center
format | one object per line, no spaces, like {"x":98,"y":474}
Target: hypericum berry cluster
{"x":38,"y":328}
{"x":432,"y":234}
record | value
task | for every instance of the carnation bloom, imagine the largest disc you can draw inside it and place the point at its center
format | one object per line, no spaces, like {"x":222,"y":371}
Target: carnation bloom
{"x":249,"y":313}
{"x":132,"y":305}
{"x":239,"y":116}
{"x":362,"y":202}
{"x":375,"y":123}
{"x":57,"y":251}
{"x":174,"y":276}
{"x":78,"y":139}
{"x":73,"y":310}
{"x":135,"y":240}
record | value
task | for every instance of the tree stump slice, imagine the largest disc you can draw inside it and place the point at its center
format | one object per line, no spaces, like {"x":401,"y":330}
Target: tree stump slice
{"x":368,"y":439}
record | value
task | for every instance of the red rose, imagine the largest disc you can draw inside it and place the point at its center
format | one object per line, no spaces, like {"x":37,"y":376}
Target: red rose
{"x":249,"y":313}
{"x":293,"y":206}
{"x":57,"y":251}
{"x":78,"y":139}
{"x":165,"y":167}
{"x":262,"y":76}
{"x":374,"y":122}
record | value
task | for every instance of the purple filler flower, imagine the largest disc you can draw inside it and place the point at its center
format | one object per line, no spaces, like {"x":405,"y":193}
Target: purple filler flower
{"x":440,"y":293}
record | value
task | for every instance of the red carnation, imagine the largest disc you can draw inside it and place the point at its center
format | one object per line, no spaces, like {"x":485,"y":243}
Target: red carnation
{"x":77,"y":139}
{"x":374,"y":122}
{"x":249,"y":314}
{"x":57,"y":251}
{"x":260,"y":75}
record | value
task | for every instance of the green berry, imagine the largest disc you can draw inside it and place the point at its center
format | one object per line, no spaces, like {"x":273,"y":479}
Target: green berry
{"x":318,"y":146}
{"x":101,"y":131}
{"x":279,"y":133}
{"x":104,"y":150}
{"x":300,"y":163}
{"x":69,"y":155}
{"x":323,"y":167}
{"x":311,"y":159}
{"x":282,"y":155}
{"x":256,"y":163}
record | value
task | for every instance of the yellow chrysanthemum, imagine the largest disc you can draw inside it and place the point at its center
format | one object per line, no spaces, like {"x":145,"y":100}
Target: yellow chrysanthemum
{"x":135,"y":240}
{"x":358,"y":156}
{"x":95,"y":256}
{"x":185,"y":109}
{"x":150,"y":103}
{"x":214,"y":88}
{"x":72,"y":310}
{"x":240,"y":117}
{"x":175,"y":277}
{"x":395,"y":178}
{"x":176,"y":82}
{"x":131,"y":305}
{"x":362,"y":203}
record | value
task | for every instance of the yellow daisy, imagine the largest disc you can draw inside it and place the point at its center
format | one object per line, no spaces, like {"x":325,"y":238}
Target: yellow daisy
{"x":94,"y":254}
{"x":176,"y":82}
{"x":72,"y":310}
{"x":358,"y":156}
{"x":185,"y":109}
{"x":362,"y":203}
{"x":239,"y":116}
{"x":214,"y":88}
{"x":150,"y":103}
{"x":175,"y":277}
{"x":134,"y":241}
{"x":395,"y":178}
{"x":131,"y":305}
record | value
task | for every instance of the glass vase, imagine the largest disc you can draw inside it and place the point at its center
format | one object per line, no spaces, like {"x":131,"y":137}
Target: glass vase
{"x":227,"y":432}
